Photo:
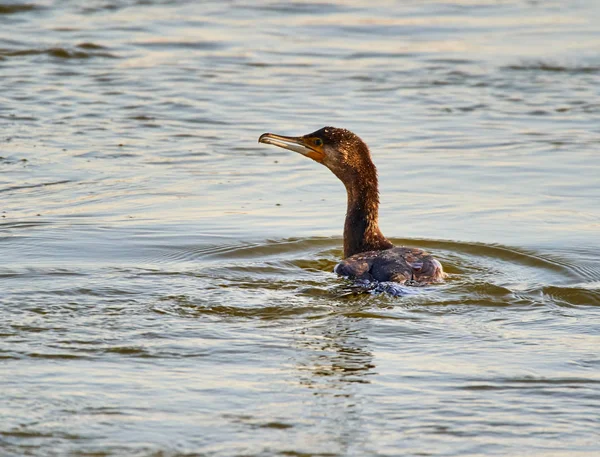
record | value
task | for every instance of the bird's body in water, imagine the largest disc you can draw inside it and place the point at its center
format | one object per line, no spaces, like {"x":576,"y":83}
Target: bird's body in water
{"x":368,"y":255}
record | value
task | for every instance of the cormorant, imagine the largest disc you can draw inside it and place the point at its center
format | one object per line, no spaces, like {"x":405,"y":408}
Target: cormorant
{"x":368,"y":255}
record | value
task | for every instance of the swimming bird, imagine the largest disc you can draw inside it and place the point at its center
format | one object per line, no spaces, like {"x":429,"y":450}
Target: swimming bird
{"x":368,"y":255}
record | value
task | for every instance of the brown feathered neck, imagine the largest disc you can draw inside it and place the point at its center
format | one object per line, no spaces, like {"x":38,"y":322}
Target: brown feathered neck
{"x":361,"y":229}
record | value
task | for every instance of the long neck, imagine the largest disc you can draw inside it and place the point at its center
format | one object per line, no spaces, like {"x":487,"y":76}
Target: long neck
{"x":361,"y":229}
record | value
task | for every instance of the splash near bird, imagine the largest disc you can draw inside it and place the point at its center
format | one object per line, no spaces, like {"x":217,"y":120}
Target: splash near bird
{"x":368,"y":255}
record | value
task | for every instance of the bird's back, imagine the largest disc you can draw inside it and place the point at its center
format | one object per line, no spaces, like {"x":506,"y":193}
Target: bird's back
{"x":411,"y":266}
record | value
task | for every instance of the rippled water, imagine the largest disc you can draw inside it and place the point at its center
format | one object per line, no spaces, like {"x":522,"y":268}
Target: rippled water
{"x":166,"y":284}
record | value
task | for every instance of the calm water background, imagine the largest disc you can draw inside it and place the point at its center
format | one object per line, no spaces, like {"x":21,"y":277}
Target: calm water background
{"x":166,"y":284}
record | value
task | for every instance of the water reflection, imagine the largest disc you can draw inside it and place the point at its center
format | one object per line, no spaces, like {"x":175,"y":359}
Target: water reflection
{"x":333,"y":361}
{"x":337,"y":354}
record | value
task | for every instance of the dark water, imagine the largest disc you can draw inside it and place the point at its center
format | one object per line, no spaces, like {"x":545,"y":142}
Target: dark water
{"x":166,"y":284}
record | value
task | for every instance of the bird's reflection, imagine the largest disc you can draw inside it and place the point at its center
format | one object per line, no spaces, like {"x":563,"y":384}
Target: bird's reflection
{"x":335,"y":364}
{"x":335,"y":353}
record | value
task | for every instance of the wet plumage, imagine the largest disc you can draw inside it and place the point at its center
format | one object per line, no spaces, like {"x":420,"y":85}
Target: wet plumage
{"x":368,"y":255}
{"x":410,"y":266}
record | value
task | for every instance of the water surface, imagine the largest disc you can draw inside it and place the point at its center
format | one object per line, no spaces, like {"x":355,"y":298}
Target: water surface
{"x":166,"y":286}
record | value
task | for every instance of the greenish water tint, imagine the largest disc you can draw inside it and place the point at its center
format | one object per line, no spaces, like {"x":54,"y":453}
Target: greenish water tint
{"x":166,"y":284}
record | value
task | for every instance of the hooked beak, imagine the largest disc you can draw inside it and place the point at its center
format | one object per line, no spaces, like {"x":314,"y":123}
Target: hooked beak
{"x":296,"y":144}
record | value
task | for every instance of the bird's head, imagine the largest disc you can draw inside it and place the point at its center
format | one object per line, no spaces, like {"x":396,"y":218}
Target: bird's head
{"x":340,"y":150}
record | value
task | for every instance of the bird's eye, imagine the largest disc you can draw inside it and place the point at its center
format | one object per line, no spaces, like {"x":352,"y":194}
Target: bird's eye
{"x":318,"y":142}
